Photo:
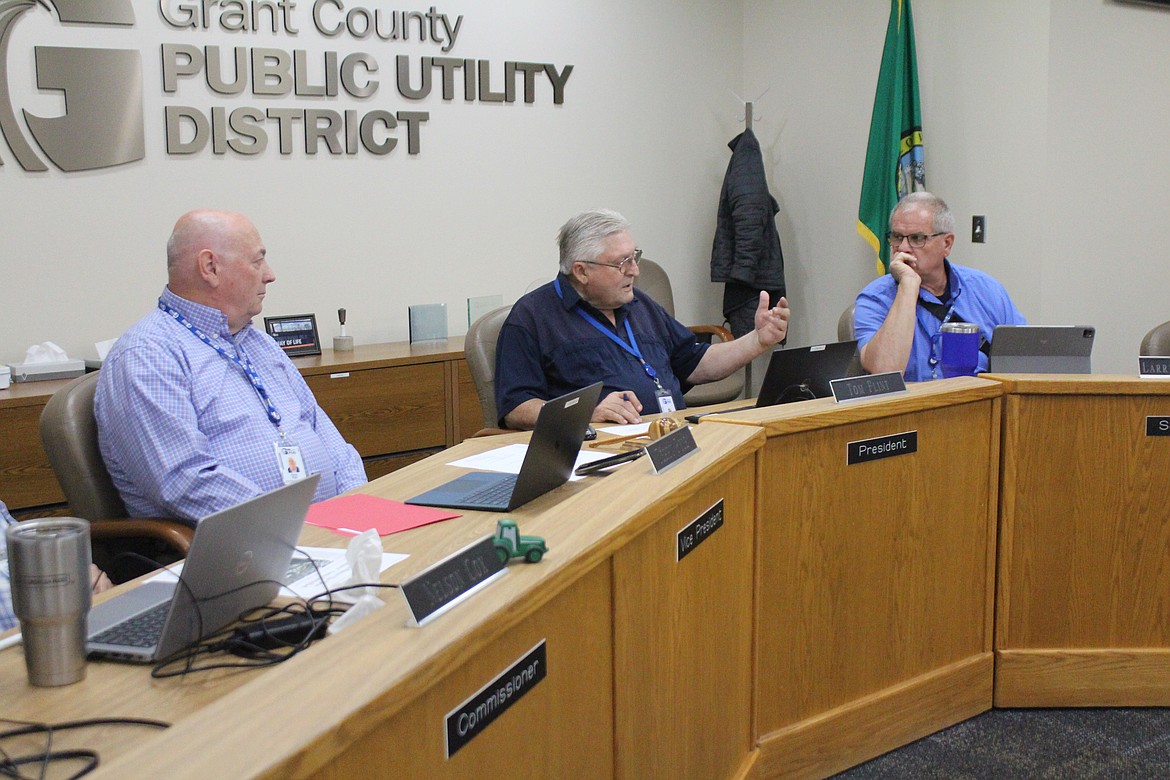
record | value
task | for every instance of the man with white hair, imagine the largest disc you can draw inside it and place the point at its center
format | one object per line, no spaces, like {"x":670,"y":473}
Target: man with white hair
{"x":591,"y":324}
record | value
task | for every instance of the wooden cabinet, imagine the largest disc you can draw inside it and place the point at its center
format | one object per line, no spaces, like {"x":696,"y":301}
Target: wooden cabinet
{"x":396,"y":403}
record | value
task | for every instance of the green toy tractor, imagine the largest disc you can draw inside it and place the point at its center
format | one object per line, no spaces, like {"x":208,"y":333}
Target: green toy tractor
{"x":510,"y":544}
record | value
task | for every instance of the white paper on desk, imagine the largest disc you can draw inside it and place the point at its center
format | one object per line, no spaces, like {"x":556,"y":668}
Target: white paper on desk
{"x":509,"y":458}
{"x":625,"y":430}
{"x":304,"y":580}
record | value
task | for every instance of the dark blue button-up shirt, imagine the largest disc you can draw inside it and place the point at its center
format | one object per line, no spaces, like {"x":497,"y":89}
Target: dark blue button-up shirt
{"x":546,"y":349}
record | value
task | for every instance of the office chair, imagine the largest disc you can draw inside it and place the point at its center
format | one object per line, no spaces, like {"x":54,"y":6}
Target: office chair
{"x":479,"y":347}
{"x":845,"y":333}
{"x":845,"y":324}
{"x":1157,"y":342}
{"x":653,"y":281}
{"x":69,"y":434}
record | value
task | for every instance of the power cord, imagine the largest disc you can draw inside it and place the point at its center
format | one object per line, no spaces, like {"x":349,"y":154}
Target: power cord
{"x":10,"y":765}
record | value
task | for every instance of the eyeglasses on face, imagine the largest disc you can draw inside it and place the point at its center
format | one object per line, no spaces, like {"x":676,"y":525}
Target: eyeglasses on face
{"x":917,"y":240}
{"x":623,"y":266}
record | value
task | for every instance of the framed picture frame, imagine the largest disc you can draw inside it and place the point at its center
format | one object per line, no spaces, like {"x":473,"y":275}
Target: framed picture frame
{"x":296,"y":334}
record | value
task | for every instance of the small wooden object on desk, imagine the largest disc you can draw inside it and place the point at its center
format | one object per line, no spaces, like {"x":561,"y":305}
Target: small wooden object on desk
{"x":658,"y":429}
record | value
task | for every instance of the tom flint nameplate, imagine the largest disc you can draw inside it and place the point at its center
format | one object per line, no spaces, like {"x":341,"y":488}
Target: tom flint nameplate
{"x":444,"y":584}
{"x":699,"y":530}
{"x":855,"y":387}
{"x":881,"y":447}
{"x":465,"y":722}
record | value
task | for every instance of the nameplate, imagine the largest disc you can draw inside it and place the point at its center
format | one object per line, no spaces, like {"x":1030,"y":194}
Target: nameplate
{"x":671,"y":448}
{"x":1150,"y":367}
{"x":453,"y":579}
{"x":1157,"y":426}
{"x":854,"y":387}
{"x":699,"y":531}
{"x":465,"y":722}
{"x":866,"y":450}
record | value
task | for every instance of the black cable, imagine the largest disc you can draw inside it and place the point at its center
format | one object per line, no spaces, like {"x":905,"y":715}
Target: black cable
{"x":9,"y":765}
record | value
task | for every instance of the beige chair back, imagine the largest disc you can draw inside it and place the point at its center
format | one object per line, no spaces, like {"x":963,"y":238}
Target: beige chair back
{"x":69,"y":434}
{"x":653,"y":281}
{"x":480,"y":349}
{"x":845,"y":324}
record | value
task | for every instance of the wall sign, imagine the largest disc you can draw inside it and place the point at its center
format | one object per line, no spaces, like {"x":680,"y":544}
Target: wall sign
{"x":465,"y":722}
{"x":881,"y":447}
{"x":281,"y":83}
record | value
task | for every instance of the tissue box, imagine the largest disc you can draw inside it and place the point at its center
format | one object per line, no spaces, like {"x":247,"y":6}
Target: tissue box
{"x":59,"y":369}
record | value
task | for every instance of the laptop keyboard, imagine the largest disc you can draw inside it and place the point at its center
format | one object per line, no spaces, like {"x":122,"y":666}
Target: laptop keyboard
{"x":142,"y":630}
{"x":494,"y":494}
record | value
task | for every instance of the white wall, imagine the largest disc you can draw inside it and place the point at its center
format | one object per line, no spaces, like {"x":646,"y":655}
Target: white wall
{"x":976,"y":158}
{"x":1050,"y":118}
{"x":648,"y":109}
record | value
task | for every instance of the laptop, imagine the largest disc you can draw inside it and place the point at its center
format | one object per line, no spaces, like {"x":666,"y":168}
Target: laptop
{"x":1041,"y":349}
{"x":799,"y":374}
{"x":238,"y":559}
{"x":552,"y":451}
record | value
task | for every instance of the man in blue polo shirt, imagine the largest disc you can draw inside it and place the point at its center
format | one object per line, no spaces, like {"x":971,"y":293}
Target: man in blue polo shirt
{"x":897,"y":315}
{"x":591,"y":324}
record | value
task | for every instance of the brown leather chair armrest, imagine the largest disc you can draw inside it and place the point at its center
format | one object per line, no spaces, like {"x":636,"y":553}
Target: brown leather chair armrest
{"x":490,"y":432}
{"x":174,"y":534}
{"x":715,"y":330}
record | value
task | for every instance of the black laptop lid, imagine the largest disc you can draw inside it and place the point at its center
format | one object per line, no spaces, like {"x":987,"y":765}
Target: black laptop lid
{"x":801,"y":373}
{"x":556,"y":441}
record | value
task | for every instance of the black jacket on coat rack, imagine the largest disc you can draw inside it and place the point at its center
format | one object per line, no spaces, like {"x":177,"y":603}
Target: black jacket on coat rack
{"x":745,"y":254}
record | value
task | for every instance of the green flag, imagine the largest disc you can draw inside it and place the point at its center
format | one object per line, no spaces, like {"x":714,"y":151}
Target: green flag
{"x":893,"y":160}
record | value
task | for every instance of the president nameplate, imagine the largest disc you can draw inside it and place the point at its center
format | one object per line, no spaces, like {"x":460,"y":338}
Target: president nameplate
{"x":865,"y":450}
{"x":453,"y":579}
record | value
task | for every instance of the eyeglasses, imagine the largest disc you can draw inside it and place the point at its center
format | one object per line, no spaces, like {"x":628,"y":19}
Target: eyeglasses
{"x":917,"y":240}
{"x":623,"y":266}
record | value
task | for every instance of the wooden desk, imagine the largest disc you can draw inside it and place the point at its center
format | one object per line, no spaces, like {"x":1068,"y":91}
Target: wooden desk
{"x":26,"y":478}
{"x":396,"y":403}
{"x":874,"y":581}
{"x":648,"y":661}
{"x":1082,"y":614}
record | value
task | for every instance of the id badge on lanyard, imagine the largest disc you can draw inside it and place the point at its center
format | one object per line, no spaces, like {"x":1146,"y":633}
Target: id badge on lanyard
{"x":289,"y":462}
{"x":665,"y":400}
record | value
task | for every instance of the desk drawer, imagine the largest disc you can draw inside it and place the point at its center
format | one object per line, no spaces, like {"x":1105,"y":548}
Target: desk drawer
{"x":386,"y":410}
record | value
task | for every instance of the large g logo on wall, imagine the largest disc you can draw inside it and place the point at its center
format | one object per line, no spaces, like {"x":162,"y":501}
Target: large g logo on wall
{"x":102,"y":125}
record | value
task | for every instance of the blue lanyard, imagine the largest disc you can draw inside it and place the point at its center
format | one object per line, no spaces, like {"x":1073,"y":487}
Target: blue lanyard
{"x":631,"y":348}
{"x":245,"y":364}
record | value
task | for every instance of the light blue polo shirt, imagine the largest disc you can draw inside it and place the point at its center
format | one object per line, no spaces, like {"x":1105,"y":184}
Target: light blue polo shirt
{"x":975,"y":297}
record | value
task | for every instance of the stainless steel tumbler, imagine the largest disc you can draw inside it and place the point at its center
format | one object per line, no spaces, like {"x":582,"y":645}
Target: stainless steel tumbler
{"x":49,"y":562}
